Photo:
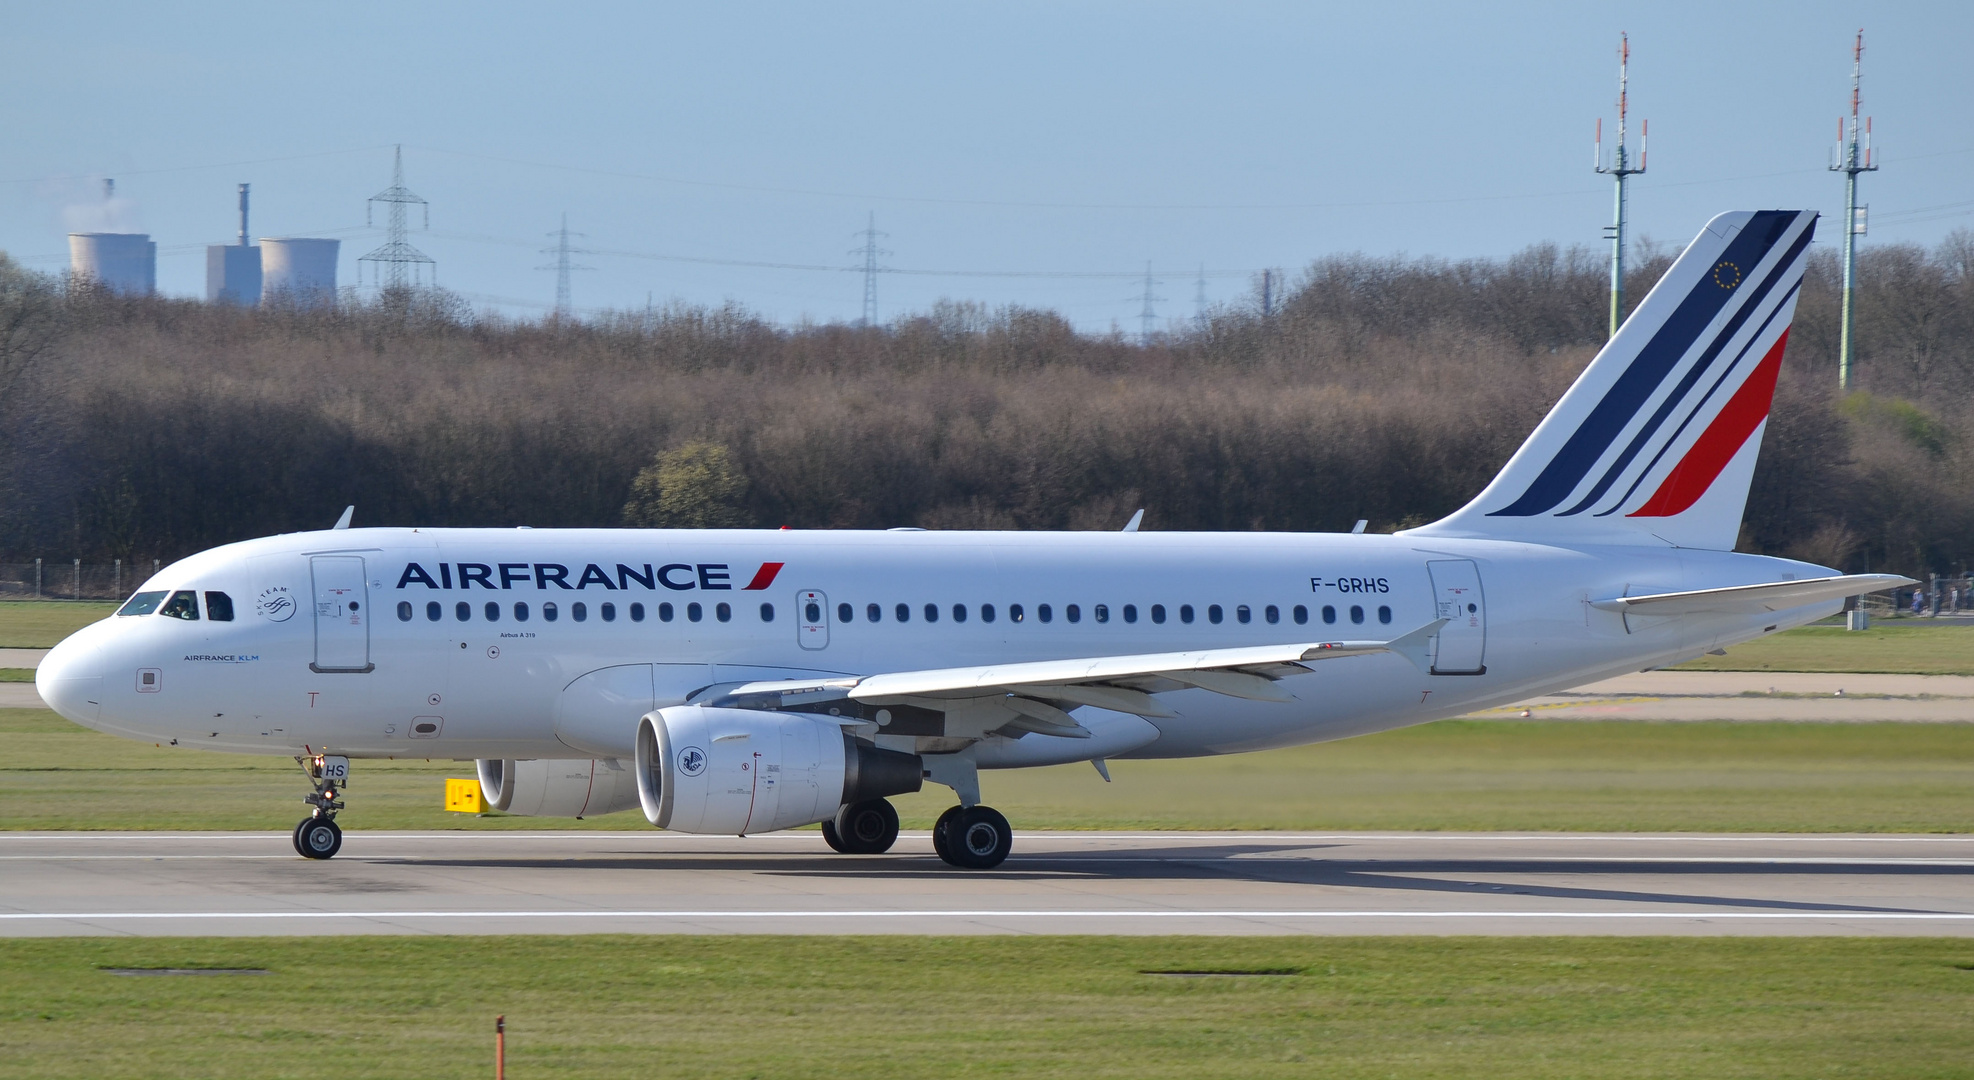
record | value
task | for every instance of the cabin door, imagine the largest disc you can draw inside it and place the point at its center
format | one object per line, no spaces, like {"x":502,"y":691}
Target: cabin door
{"x":1462,"y":642}
{"x":342,"y":614}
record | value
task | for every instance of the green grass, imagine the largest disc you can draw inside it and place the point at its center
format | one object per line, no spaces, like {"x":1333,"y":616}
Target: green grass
{"x":39,"y":624}
{"x":1453,"y":775}
{"x":16,"y":674}
{"x":1915,"y":647}
{"x":817,"y":1007}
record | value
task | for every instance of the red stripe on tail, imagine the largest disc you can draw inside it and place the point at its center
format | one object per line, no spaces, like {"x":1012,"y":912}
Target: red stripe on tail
{"x":1702,"y":465}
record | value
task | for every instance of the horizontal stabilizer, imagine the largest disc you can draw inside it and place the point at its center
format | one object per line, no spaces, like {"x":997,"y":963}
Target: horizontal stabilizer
{"x":1773,"y":596}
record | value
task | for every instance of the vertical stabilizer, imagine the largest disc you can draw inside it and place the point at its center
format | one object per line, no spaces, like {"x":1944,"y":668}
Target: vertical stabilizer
{"x":1656,"y":441}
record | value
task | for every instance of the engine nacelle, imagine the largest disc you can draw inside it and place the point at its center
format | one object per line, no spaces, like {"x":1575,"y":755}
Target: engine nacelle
{"x":582,"y":787}
{"x":740,"y":771}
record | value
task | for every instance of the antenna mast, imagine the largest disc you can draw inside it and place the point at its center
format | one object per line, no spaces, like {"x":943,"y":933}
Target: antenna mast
{"x":1854,"y":157}
{"x":396,"y":255}
{"x":1620,"y":167}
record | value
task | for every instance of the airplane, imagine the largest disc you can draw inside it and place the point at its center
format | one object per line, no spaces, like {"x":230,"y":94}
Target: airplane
{"x":736,"y":681}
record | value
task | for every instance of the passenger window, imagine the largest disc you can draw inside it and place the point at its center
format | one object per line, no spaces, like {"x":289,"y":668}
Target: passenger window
{"x":1158,"y":613}
{"x":722,"y":611}
{"x":1015,"y":613}
{"x":767,"y":613}
{"x":693,"y":612}
{"x":433,"y":611}
{"x":932,"y":613}
{"x":1384,"y":614}
{"x":520,"y":611}
{"x":1185,"y":613}
{"x":1272,"y":613}
{"x":404,"y":610}
{"x":903,"y":612}
{"x":637,"y":612}
{"x":1356,"y":613}
{"x":813,"y":612}
{"x":1214,"y":614}
{"x":1131,"y":613}
{"x":1102,"y":612}
{"x":844,"y":613}
{"x":607,"y":611}
{"x":873,"y":613}
{"x":1329,"y":613}
{"x":1072,"y":613}
{"x":548,"y":611}
{"x":1043,"y":613}
{"x":142,"y":604}
{"x":959,"y":612}
{"x":1243,"y":615}
{"x":664,"y":612}
{"x":182,"y":605}
{"x":462,"y":611}
{"x":493,"y":611}
{"x":579,"y":611}
{"x":219,"y":607}
{"x":986,"y":613}
{"x":1301,"y":615}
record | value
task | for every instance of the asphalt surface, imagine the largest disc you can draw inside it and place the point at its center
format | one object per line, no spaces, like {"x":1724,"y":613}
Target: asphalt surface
{"x":63,"y":884}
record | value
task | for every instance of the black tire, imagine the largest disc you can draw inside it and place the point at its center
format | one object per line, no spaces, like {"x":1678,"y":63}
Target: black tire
{"x":867,"y":828}
{"x":296,"y":836}
{"x":942,"y":833}
{"x":979,"y":839}
{"x":321,"y":838}
{"x":831,"y":838}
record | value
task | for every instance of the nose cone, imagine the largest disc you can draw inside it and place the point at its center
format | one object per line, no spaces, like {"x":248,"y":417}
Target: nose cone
{"x":70,"y":679}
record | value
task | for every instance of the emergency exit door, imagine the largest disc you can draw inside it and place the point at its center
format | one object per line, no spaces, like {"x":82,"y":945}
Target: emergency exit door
{"x":342,"y":614}
{"x":812,"y":619}
{"x":1461,"y":645}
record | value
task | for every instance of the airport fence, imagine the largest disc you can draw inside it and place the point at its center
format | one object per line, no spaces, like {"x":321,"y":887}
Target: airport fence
{"x":73,"y":579}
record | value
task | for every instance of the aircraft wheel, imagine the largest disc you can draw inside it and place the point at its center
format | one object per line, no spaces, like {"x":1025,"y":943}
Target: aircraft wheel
{"x":832,"y":838}
{"x":942,"y":833}
{"x":321,"y":838}
{"x":867,"y":828}
{"x":979,"y":839}
{"x":296,"y":836}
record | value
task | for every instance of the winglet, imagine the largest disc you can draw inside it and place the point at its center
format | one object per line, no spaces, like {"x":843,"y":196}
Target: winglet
{"x":1136,"y":520}
{"x":344,"y":521}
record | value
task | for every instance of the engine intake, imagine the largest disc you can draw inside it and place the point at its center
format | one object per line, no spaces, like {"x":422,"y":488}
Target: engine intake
{"x":740,"y":771}
{"x":580,"y":787}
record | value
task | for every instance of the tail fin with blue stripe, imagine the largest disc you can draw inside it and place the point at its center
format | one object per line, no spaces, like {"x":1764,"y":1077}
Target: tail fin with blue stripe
{"x":1656,"y":441}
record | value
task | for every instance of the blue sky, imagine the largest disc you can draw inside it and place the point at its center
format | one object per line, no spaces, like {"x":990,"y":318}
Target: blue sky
{"x":1006,"y":137}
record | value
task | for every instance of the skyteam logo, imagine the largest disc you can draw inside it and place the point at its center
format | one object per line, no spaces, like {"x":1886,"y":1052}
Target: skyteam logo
{"x":1684,"y":386}
{"x":692,"y":761}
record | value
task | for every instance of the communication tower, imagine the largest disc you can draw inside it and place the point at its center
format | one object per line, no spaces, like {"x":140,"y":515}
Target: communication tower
{"x":870,"y":251}
{"x":1620,"y":167}
{"x":1853,"y":157}
{"x":562,"y":266}
{"x":397,"y":264}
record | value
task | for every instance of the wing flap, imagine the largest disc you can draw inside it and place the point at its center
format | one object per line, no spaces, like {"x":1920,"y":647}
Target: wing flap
{"x":1771,"y":596}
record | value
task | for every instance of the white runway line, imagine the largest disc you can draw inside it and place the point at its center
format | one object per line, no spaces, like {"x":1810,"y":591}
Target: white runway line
{"x":968,"y":913}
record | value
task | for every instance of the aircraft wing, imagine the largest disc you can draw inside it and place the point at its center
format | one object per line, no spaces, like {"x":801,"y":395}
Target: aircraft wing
{"x":1038,"y":692}
{"x":1773,"y":596}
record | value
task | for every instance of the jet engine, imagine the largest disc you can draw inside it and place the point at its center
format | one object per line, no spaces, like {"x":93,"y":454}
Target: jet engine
{"x":740,"y":771}
{"x":582,"y":787}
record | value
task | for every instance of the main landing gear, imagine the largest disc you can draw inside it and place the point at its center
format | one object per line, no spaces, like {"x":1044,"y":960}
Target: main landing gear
{"x":318,"y":836}
{"x":865,"y":828}
{"x":973,"y":837}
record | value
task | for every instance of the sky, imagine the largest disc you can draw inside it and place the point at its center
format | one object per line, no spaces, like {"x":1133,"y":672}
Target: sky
{"x":1039,"y":154}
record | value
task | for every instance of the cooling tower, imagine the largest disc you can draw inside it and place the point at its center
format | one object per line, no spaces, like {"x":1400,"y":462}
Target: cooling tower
{"x":298,"y":270}
{"x":124,"y":263}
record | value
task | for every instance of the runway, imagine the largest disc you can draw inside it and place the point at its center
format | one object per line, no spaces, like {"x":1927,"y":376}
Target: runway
{"x":206,"y":884}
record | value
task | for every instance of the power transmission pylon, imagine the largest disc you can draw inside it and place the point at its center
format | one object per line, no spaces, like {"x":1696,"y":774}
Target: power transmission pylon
{"x":389,"y":262}
{"x":1199,"y":302}
{"x":1148,"y":315}
{"x":1620,"y":167}
{"x":562,"y":266}
{"x":870,"y":251}
{"x":1854,"y":157}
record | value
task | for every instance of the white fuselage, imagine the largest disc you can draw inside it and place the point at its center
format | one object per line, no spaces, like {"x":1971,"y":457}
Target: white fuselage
{"x":483,"y":680}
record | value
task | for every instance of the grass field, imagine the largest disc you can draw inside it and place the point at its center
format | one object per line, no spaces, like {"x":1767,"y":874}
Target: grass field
{"x":39,"y":624}
{"x":1453,"y":775}
{"x":1915,"y":647}
{"x":16,"y":674}
{"x":809,"y":1007}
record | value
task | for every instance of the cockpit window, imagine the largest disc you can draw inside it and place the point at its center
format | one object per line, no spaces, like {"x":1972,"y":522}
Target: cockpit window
{"x":142,"y":604}
{"x":183,"y":604}
{"x":219,"y":607}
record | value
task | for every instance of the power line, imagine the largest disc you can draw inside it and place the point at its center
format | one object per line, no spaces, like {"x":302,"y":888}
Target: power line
{"x":870,"y":251}
{"x":391,"y":260}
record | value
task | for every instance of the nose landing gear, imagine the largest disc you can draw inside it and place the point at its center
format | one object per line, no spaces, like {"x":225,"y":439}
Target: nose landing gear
{"x":318,"y":836}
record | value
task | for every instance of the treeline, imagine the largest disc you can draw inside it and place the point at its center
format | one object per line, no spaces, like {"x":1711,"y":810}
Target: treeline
{"x":1380,"y":388}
